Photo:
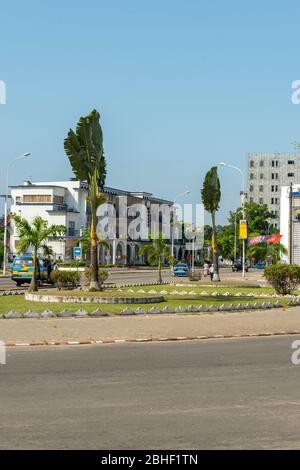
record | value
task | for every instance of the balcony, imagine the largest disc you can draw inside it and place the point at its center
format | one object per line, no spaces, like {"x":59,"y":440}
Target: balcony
{"x":73,"y":233}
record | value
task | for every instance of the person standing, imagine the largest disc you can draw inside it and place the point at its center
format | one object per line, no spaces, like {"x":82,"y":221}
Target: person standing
{"x":211,"y":272}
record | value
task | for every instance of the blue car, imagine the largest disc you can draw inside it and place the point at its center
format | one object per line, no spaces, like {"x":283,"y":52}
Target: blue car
{"x":181,"y":269}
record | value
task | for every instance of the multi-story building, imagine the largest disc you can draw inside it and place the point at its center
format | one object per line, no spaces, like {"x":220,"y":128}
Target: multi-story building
{"x":65,"y":203}
{"x":267,"y":173}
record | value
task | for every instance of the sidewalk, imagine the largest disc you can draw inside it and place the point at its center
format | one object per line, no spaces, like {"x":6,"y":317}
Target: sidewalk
{"x":150,"y":327}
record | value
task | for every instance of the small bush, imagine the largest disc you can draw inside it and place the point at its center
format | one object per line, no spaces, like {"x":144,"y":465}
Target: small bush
{"x":283,"y":277}
{"x":66,"y":279}
{"x":102,"y":276}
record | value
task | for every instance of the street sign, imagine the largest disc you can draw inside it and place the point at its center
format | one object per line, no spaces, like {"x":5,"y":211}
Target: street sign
{"x":243,"y":230}
{"x":77,"y":252}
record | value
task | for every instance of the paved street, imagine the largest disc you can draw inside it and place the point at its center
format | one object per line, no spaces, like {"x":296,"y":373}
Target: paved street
{"x":211,"y":394}
{"x":151,"y":276}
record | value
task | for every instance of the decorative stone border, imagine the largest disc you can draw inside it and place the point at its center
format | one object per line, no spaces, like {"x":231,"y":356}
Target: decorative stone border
{"x":141,"y":311}
{"x":92,"y":299}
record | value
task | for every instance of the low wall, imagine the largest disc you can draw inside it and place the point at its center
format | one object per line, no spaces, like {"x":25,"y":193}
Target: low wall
{"x":93,"y":299}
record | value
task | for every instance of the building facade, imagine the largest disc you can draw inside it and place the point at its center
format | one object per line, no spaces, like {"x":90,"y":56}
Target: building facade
{"x":267,"y":173}
{"x":65,"y":203}
{"x":290,"y":222}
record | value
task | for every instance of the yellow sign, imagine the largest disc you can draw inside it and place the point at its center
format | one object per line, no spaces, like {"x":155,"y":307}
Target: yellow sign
{"x":243,"y":230}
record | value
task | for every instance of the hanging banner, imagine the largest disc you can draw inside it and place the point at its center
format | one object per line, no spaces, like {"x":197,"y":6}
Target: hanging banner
{"x":269,"y":239}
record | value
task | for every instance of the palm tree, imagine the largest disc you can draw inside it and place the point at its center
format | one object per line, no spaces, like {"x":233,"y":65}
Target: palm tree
{"x":48,"y":251}
{"x":211,"y":195}
{"x":156,"y":251}
{"x":264,"y":251}
{"x":35,"y":236}
{"x":86,"y":241}
{"x":86,"y":155}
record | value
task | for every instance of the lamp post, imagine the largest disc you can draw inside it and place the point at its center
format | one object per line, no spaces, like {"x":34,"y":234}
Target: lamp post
{"x":243,"y":205}
{"x":185,"y":193}
{"x":27,"y":154}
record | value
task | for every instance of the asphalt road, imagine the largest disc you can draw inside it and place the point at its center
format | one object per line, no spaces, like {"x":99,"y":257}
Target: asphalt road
{"x":189,"y":395}
{"x":151,"y":276}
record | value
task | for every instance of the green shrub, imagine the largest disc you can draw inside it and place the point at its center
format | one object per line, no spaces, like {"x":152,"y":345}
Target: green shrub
{"x":102,"y":276}
{"x":66,"y":279}
{"x":283,"y":277}
{"x":74,"y":264}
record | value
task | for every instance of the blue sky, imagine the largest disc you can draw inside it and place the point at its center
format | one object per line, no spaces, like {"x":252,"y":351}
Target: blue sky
{"x":180,"y":85}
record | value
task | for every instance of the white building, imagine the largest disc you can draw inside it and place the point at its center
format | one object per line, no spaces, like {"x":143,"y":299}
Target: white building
{"x":267,"y":173}
{"x":295,"y":221}
{"x":64,"y":203}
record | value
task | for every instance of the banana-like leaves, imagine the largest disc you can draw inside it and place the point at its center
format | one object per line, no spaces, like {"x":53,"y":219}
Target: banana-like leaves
{"x":85,"y":149}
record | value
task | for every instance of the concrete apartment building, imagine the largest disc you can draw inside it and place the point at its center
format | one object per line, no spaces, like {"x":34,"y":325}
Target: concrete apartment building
{"x":267,"y":173}
{"x":64,"y":203}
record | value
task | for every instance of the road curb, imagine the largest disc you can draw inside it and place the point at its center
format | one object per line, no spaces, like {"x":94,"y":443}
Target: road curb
{"x":146,"y":340}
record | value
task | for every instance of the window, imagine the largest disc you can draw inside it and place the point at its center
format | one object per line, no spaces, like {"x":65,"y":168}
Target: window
{"x":274,"y":163}
{"x":261,"y":163}
{"x":291,"y":162}
{"x":37,"y":198}
{"x":272,"y":188}
{"x":272,"y":200}
{"x":290,"y":175}
{"x":262,"y":176}
{"x":274,"y":176}
{"x":18,"y":199}
{"x":276,"y":188}
{"x":252,"y":176}
{"x":251,"y":199}
{"x":251,"y":188}
{"x":251,"y":164}
{"x":58,"y":199}
{"x":261,"y":201}
{"x":261,"y":188}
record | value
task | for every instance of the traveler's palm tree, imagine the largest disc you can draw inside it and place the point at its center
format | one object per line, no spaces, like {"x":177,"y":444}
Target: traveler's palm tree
{"x":211,"y":195}
{"x":35,"y":235}
{"x":85,"y":152}
{"x":156,"y":251}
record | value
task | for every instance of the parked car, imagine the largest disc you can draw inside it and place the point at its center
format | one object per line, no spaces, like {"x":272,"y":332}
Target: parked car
{"x":22,"y":269}
{"x":260,"y":265}
{"x":181,"y":269}
{"x":238,"y":266}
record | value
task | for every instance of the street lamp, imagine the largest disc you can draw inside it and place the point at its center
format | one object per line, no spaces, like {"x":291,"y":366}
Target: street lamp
{"x":243,"y":204}
{"x":27,"y":154}
{"x":185,"y":193}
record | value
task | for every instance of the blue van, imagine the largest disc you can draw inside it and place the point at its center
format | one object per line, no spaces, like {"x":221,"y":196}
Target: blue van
{"x":22,"y":269}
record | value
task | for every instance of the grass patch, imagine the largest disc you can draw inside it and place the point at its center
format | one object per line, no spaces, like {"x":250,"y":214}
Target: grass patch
{"x":19,"y":304}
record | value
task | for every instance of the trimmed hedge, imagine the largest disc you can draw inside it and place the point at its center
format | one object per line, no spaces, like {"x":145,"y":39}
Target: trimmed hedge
{"x":66,"y":279}
{"x":283,"y":277}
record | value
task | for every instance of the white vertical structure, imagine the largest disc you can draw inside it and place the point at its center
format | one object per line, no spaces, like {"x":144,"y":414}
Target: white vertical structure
{"x":243,"y":200}
{"x":27,"y":154}
{"x":284,"y":222}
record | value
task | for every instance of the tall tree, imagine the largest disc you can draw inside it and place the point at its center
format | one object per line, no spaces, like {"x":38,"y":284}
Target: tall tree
{"x":156,"y":251}
{"x":85,"y":152}
{"x":35,"y":235}
{"x":211,"y":195}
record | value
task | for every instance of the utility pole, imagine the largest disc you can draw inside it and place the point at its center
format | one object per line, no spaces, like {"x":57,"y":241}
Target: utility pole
{"x":291,"y":224}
